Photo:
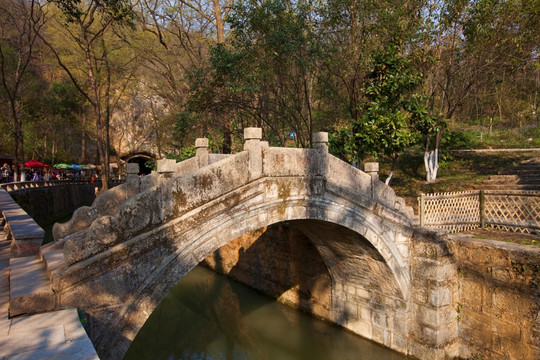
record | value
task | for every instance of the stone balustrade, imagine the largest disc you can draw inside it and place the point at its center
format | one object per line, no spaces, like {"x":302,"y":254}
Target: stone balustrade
{"x":21,"y":185}
{"x":25,"y":234}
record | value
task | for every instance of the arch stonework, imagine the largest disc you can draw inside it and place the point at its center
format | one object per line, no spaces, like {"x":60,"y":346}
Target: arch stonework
{"x":120,"y":268}
{"x":141,"y":154}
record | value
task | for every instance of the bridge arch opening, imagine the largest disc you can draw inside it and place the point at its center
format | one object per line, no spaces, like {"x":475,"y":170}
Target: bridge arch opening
{"x":280,"y":260}
{"x":312,"y":264}
{"x":142,"y":159}
{"x":318,"y":267}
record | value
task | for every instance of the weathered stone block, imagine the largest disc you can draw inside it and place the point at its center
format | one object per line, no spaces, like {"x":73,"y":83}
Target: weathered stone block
{"x":379,"y":319}
{"x":400,"y":343}
{"x":371,"y":167}
{"x":430,"y":250}
{"x":132,"y":168}
{"x":201,"y":143}
{"x":361,"y":327}
{"x":252,"y":133}
{"x":165,"y":166}
{"x":440,"y":336}
{"x":381,"y":335}
{"x":440,"y":297}
{"x":435,"y":270}
{"x":435,"y":318}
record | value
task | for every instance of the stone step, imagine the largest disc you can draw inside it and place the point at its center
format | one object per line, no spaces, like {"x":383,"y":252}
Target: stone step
{"x":54,"y":335}
{"x":53,"y":257}
{"x":529,"y":182}
{"x":503,"y":187}
{"x":521,"y":171}
{"x":510,"y":184}
{"x":30,"y":288}
{"x":502,"y":179}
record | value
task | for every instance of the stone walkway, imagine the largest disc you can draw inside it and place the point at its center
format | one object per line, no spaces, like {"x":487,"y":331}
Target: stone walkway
{"x":53,"y":335}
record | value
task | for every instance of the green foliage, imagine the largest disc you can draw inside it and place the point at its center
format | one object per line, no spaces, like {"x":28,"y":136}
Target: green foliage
{"x":63,"y":100}
{"x":184,"y":122}
{"x":363,"y":70}
{"x":185,"y":153}
{"x":117,"y":11}
{"x":339,"y":143}
{"x":151,"y":164}
{"x":393,"y":109}
{"x":264,"y":73}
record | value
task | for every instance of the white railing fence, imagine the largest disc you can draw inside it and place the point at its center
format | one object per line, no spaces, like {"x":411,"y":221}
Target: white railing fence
{"x":517,"y":211}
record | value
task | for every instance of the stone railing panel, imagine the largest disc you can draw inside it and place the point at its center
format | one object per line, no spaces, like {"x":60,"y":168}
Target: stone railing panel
{"x":203,"y":185}
{"x":213,"y":158}
{"x":286,"y":162}
{"x":186,"y":166}
{"x":105,"y":204}
{"x":343,"y":175}
{"x":149,"y":181}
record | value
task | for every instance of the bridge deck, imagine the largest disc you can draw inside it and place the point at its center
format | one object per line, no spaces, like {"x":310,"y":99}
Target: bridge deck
{"x":58,"y":335}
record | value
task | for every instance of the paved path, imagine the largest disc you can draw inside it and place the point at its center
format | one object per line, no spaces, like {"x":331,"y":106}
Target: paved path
{"x":54,"y":335}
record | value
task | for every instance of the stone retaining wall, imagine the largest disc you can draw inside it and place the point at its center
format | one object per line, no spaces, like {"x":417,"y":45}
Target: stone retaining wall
{"x":498,"y":308}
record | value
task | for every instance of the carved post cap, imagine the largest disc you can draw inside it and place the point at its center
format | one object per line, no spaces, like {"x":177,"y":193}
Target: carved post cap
{"x":132,"y":168}
{"x":252,"y":133}
{"x":166,"y":166}
{"x":371,"y":167}
{"x":201,"y":143}
{"x":320,"y":138}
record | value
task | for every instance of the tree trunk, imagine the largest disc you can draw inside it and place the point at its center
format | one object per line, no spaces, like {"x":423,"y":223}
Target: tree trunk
{"x":227,"y":134}
{"x":431,"y":162}
{"x":83,"y":138}
{"x":394,"y":163}
{"x":219,"y":22}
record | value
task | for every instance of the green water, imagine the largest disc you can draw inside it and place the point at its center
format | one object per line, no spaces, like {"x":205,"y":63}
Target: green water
{"x":208,"y":316}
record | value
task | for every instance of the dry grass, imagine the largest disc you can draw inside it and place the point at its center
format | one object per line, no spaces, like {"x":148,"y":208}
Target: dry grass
{"x":460,"y":172}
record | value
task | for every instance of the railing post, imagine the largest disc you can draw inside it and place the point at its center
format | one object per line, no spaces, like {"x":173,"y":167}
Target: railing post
{"x":422,"y":209}
{"x":320,"y":143}
{"x":252,"y":144}
{"x":166,"y":167}
{"x":132,"y":174}
{"x":372,"y":169}
{"x":201,"y":144}
{"x":482,"y":209}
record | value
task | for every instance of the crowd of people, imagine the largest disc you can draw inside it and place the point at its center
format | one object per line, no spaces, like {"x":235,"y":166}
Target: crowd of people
{"x":7,"y":174}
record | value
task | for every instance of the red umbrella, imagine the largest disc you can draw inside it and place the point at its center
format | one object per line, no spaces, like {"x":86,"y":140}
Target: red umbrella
{"x":33,"y":164}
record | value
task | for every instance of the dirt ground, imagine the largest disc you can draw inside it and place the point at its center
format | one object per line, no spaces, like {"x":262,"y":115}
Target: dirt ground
{"x":515,"y":237}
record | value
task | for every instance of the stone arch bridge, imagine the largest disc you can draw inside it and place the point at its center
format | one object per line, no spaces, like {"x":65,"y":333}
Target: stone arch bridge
{"x":386,"y":279}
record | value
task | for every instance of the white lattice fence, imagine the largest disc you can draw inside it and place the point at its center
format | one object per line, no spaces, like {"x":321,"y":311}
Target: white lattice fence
{"x":513,"y":211}
{"x":454,"y":211}
{"x":461,"y":211}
